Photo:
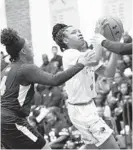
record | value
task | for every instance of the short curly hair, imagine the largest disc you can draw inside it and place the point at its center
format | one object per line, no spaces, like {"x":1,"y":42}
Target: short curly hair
{"x":13,"y":42}
{"x":58,"y":35}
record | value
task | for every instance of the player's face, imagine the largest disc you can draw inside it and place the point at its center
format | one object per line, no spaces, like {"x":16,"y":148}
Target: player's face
{"x":28,"y":51}
{"x":74,"y":38}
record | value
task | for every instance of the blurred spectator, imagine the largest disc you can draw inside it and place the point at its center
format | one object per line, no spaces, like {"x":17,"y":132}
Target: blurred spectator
{"x":54,"y":67}
{"x":103,"y":85}
{"x":47,"y":95}
{"x":75,"y":141}
{"x":120,"y":64}
{"x":127,"y":61}
{"x":39,"y":126}
{"x":115,"y":86}
{"x":51,"y":67}
{"x":119,"y":105}
{"x":102,"y":108}
{"x":127,"y":38}
{"x":125,"y":90}
{"x":57,"y":129}
{"x":56,"y":57}
{"x":126,"y":100}
{"x":45,"y":65}
{"x":37,"y":99}
{"x":51,"y":96}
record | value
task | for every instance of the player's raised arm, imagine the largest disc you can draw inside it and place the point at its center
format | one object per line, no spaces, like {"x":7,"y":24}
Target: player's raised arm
{"x":110,"y":68}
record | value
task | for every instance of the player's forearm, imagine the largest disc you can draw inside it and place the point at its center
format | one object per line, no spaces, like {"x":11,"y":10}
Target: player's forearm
{"x":118,"y":48}
{"x":111,"y":67}
{"x":62,"y":77}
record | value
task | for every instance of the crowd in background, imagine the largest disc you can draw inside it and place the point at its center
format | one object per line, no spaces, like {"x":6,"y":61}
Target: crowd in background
{"x":113,"y":101}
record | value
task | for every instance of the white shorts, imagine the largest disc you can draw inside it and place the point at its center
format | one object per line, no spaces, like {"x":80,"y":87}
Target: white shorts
{"x":92,"y":128}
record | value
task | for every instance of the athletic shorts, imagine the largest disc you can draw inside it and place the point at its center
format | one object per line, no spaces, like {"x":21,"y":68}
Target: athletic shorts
{"x":20,"y":134}
{"x":93,"y":129}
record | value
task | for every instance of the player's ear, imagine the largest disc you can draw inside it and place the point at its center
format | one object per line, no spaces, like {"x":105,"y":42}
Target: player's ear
{"x":23,"y":51}
{"x":65,"y":40}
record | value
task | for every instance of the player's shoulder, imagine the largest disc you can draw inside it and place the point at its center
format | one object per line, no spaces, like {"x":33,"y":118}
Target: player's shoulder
{"x":28,"y":67}
{"x":70,"y":51}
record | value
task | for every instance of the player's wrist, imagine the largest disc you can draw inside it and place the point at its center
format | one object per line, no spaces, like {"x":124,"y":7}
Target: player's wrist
{"x":100,"y":38}
{"x":80,"y":64}
{"x":103,"y":42}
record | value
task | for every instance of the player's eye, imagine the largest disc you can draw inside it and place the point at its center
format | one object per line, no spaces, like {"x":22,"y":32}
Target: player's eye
{"x":78,"y":31}
{"x":73,"y":32}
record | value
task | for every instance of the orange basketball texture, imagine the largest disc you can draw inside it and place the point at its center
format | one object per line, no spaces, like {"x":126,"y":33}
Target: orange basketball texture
{"x":114,"y":30}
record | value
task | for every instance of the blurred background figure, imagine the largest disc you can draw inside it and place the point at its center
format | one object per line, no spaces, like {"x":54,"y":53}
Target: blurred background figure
{"x":127,"y":38}
{"x":102,"y":107}
{"x":56,"y":57}
{"x":45,"y":63}
{"x":56,"y":128}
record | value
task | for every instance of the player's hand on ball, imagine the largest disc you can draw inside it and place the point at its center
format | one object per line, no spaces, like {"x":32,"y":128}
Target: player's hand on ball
{"x":98,"y":38}
{"x":96,"y":41}
{"x":100,"y":25}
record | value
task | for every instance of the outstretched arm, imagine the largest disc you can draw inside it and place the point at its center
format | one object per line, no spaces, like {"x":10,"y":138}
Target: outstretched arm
{"x":115,"y":47}
{"x":118,"y":48}
{"x":33,"y":74}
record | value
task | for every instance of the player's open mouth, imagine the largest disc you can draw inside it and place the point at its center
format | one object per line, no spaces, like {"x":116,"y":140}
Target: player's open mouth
{"x":81,"y":38}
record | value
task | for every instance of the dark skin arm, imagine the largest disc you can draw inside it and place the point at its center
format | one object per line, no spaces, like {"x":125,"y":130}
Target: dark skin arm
{"x":34,"y":74}
{"x":118,"y":48}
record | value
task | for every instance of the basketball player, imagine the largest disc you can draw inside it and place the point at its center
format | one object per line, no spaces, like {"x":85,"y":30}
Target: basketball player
{"x":17,"y":90}
{"x":115,"y":47}
{"x":81,"y":89}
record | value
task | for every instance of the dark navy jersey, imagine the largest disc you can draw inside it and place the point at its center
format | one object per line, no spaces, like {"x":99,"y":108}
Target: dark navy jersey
{"x":17,"y":86}
{"x":16,"y":91}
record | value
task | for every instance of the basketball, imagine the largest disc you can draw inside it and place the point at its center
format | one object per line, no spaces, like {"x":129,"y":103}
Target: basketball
{"x":114,"y":29}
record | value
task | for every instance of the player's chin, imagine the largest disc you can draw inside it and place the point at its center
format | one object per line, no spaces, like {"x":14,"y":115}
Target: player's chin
{"x":81,"y":42}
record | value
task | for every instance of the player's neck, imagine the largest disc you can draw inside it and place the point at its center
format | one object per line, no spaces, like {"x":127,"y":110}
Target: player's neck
{"x":24,"y":60}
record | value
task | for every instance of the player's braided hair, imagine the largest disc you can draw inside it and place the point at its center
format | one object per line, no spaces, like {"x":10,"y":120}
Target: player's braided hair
{"x":13,"y":43}
{"x":58,"y":35}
